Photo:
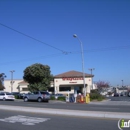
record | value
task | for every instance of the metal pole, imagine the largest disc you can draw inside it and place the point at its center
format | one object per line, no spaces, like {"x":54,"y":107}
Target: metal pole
{"x":82,"y":63}
{"x":12,"y":82}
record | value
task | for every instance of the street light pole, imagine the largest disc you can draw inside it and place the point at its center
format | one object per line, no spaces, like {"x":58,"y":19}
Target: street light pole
{"x":75,"y":36}
{"x":91,"y":69}
{"x":12,"y":82}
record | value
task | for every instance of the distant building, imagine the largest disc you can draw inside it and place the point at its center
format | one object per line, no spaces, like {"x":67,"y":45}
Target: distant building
{"x":122,"y":90}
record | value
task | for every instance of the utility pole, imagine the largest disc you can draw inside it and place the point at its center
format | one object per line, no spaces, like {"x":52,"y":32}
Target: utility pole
{"x":91,"y":70}
{"x":12,"y":82}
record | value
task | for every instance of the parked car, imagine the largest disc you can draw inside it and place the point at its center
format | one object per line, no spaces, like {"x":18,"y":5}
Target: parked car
{"x":128,"y":94}
{"x":122,"y":94}
{"x":21,"y":95}
{"x":6,"y":96}
{"x":15,"y":93}
{"x":103,"y":93}
{"x":37,"y":96}
{"x":57,"y":95}
{"x":116,"y":95}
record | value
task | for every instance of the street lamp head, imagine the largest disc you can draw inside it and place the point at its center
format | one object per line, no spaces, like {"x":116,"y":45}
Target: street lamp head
{"x":12,"y":71}
{"x":92,"y":69}
{"x":75,"y":35}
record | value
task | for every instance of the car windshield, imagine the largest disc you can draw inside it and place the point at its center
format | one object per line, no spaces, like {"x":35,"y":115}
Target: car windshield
{"x":45,"y":93}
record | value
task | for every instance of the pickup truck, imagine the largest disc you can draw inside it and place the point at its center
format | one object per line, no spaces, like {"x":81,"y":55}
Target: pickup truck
{"x":37,"y":96}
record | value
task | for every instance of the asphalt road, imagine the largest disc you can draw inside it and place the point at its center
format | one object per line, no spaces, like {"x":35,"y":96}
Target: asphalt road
{"x":103,"y":106}
{"x":121,"y":98}
{"x":26,"y":121}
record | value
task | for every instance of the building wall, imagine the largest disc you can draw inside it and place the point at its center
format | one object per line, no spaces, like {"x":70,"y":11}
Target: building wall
{"x":72,"y":82}
{"x":58,"y":82}
{"x":23,"y":88}
{"x":8,"y":85}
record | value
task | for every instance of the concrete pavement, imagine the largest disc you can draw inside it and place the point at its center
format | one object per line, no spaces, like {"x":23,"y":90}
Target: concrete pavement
{"x":94,"y":114}
{"x":109,"y":102}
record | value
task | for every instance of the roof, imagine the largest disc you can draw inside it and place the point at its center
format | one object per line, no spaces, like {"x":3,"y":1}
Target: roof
{"x":72,"y":74}
{"x":23,"y":82}
{"x":123,"y":88}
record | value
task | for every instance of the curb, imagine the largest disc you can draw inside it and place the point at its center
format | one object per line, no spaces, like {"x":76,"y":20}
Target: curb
{"x":95,"y":114}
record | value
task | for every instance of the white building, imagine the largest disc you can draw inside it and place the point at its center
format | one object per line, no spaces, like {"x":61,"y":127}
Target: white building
{"x":72,"y":81}
{"x":64,"y":83}
{"x":7,"y":85}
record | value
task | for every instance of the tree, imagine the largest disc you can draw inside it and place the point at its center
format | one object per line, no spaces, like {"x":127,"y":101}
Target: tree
{"x":102,"y":85}
{"x":38,"y":76}
{"x":2,"y":77}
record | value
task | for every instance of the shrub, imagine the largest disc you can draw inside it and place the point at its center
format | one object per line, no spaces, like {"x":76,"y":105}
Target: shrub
{"x":94,"y":91}
{"x":61,"y":98}
{"x":16,"y":96}
{"x":96,"y":96}
{"x":52,"y":98}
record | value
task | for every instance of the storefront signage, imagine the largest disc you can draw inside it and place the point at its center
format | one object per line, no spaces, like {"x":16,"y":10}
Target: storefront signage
{"x":72,"y":82}
{"x":72,"y":79}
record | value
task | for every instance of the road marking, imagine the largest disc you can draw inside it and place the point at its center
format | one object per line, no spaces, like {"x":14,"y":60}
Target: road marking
{"x":25,"y":120}
{"x":36,"y":104}
{"x":104,"y":108}
{"x":57,"y":102}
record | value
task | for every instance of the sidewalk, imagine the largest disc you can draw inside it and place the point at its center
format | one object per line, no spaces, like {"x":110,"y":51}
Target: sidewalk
{"x":109,"y":102}
{"x":94,"y":114}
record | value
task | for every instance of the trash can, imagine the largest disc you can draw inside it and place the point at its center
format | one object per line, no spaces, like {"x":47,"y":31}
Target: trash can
{"x":87,"y":98}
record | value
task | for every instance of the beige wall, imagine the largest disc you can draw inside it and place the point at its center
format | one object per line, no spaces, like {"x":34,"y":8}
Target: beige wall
{"x":23,"y":88}
{"x":8,"y":85}
{"x":72,"y":82}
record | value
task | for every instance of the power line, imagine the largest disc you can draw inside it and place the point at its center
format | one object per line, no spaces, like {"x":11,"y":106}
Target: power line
{"x":104,"y":49}
{"x":29,"y":59}
{"x":64,"y":52}
{"x":110,"y":48}
{"x":73,"y":52}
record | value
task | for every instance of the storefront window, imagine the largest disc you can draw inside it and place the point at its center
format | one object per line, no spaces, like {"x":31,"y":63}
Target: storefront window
{"x":24,"y":89}
{"x":65,"y":88}
{"x":51,"y":89}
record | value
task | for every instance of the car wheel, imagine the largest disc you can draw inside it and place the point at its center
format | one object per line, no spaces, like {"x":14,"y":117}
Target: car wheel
{"x":47,"y":101}
{"x":25,"y":99}
{"x":4,"y":99}
{"x":39,"y":100}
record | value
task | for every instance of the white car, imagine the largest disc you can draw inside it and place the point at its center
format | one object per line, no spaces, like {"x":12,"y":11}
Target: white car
{"x":6,"y":96}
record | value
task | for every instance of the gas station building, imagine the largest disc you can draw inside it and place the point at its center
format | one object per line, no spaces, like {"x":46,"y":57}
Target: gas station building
{"x":71,"y":82}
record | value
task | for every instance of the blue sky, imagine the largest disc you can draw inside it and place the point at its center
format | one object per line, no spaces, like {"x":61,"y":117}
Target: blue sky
{"x":103,"y":26}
